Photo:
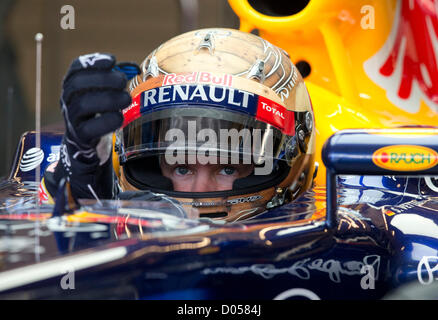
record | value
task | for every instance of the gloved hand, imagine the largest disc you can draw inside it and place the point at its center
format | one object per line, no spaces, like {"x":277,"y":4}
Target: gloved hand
{"x":92,"y":98}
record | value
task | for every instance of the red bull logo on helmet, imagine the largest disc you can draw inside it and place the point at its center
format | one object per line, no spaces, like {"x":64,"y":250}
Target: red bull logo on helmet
{"x":198,"y":77}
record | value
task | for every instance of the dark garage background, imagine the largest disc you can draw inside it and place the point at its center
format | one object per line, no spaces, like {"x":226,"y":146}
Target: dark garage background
{"x":129,"y":29}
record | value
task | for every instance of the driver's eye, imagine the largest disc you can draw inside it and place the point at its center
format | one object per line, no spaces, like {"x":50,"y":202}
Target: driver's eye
{"x":182,"y":171}
{"x":228,"y":171}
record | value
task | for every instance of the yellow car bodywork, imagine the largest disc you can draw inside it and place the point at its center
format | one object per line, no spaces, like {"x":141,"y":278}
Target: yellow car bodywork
{"x":341,"y":41}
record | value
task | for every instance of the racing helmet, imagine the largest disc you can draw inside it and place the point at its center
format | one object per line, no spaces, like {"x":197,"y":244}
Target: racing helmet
{"x":219,"y":95}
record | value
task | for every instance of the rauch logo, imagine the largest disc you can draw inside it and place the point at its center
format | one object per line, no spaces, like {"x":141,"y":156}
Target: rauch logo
{"x":405,"y":158}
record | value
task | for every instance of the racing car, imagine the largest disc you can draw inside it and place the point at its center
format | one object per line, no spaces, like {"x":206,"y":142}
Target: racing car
{"x":366,"y":228}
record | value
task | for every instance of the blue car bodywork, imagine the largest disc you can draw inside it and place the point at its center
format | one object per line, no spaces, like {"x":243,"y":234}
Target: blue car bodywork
{"x":375,"y":233}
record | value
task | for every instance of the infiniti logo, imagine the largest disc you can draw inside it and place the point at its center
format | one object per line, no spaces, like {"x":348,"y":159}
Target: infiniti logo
{"x":31,"y":159}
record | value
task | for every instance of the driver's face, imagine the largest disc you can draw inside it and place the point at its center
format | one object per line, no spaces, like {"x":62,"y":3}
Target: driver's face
{"x":204,"y":177}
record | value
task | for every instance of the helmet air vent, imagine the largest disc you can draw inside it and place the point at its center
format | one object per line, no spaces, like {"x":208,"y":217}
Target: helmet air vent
{"x":257,"y":71}
{"x":152,"y":69}
{"x":207,"y":42}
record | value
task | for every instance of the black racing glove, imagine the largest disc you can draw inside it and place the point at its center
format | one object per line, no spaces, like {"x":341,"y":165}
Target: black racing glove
{"x":92,"y":98}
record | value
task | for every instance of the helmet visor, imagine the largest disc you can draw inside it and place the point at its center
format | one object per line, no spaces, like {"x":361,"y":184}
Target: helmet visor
{"x":193,"y":134}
